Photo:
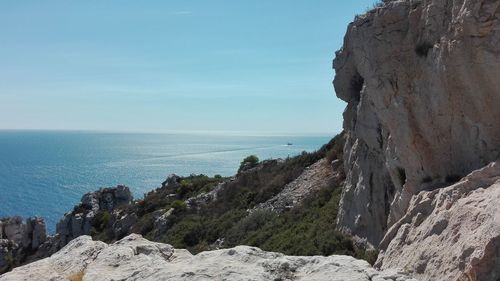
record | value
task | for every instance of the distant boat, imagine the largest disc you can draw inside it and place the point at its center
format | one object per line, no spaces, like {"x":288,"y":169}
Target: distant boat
{"x":289,"y":144}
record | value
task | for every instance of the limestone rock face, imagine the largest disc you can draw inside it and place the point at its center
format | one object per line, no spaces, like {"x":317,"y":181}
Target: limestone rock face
{"x":19,"y":239}
{"x":135,"y":258}
{"x":79,"y":221}
{"x":421,"y":82}
{"x":452,"y":233}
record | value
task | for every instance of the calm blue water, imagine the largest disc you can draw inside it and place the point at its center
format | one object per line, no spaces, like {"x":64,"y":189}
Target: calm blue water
{"x":46,"y":173}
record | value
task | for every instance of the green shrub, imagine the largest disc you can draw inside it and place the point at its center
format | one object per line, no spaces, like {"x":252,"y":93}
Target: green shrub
{"x":369,"y":255}
{"x":9,"y":260}
{"x":145,"y":225}
{"x":253,"y":222}
{"x":179,"y":206}
{"x":187,"y":233}
{"x":249,"y":162}
{"x":101,"y":220}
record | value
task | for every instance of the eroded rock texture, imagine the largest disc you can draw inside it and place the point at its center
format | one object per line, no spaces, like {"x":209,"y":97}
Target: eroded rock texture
{"x":451,"y":233}
{"x":19,"y":239}
{"x":79,"y":221}
{"x":135,"y":258}
{"x":24,"y":242}
{"x":421,"y":79}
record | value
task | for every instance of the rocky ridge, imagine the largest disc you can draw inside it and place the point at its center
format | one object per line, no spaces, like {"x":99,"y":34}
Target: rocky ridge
{"x":135,"y":258}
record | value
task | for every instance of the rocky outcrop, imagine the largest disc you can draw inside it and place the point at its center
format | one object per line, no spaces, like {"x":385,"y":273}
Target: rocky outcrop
{"x":135,"y":258}
{"x":314,"y":177}
{"x":420,"y":79}
{"x":205,"y":198}
{"x":19,"y":239}
{"x":22,"y":243}
{"x":79,"y":221}
{"x":451,"y":233}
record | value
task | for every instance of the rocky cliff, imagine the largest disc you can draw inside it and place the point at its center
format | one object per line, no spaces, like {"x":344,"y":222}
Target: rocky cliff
{"x":421,"y":82}
{"x":135,"y":258}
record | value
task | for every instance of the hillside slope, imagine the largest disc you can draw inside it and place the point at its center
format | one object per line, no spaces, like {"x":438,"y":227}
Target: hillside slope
{"x":288,"y":206}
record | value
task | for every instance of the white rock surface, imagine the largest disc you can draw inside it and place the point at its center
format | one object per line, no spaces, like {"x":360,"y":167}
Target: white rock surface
{"x":135,"y":258}
{"x":452,"y":233}
{"x":421,"y":79}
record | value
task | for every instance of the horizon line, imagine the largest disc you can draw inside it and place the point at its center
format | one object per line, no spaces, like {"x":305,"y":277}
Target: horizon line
{"x":181,"y":132}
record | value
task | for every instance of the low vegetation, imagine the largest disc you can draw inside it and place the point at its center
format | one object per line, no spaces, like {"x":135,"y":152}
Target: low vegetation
{"x":306,"y":229}
{"x":249,"y":162}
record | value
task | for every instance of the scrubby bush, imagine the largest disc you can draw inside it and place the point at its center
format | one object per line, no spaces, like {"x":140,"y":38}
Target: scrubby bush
{"x":101,"y":220}
{"x":145,"y":225}
{"x":179,"y":206}
{"x":249,"y":162}
{"x":187,"y":233}
{"x":253,"y":222}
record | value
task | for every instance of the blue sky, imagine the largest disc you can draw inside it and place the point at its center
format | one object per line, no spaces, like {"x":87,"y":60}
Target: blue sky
{"x":234,"y":66}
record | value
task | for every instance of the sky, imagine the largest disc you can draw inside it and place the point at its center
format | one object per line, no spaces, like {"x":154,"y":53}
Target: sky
{"x":234,"y":66}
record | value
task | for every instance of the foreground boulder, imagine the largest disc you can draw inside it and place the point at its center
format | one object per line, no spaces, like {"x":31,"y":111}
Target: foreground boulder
{"x":421,"y":80}
{"x":452,"y":233}
{"x":135,"y":258}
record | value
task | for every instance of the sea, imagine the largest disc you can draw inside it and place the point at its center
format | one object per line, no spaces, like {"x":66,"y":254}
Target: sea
{"x":45,"y":173}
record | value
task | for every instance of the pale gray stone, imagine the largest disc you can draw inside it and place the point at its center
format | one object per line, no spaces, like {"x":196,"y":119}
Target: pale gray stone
{"x":421,"y":82}
{"x":451,"y":233}
{"x":135,"y":258}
